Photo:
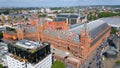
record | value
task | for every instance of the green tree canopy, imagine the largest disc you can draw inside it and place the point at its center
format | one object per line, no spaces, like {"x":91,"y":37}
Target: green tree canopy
{"x":1,"y":35}
{"x":42,"y":15}
{"x":113,"y":31}
{"x":106,"y":14}
{"x":1,"y":66}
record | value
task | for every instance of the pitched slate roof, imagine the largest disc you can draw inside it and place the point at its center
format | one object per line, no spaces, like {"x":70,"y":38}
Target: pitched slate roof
{"x":62,"y":34}
{"x":67,"y":16}
{"x":95,"y":27}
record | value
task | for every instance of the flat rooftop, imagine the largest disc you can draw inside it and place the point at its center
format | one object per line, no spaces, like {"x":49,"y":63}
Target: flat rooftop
{"x":30,"y":46}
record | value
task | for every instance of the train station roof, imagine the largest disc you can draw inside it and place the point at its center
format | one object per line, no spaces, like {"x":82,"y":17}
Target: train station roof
{"x":95,"y":27}
{"x":112,"y":21}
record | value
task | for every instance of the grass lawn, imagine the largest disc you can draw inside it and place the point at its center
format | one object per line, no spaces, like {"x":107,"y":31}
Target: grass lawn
{"x":0,"y":65}
{"x":58,"y":64}
{"x":118,"y":62}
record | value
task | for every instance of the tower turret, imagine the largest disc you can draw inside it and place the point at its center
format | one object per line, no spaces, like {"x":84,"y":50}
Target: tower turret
{"x":85,"y":40}
{"x":20,"y":32}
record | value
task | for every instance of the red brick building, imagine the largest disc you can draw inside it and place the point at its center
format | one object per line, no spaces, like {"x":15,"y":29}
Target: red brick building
{"x":70,"y":44}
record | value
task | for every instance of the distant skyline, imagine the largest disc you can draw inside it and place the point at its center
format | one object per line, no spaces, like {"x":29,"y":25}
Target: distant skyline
{"x":55,"y":3}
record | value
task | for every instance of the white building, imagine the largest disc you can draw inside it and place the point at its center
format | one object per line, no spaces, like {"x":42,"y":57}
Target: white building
{"x":48,"y":10}
{"x":20,"y":56}
{"x":3,"y":53}
{"x":14,"y":63}
{"x":2,"y":28}
{"x":42,"y":10}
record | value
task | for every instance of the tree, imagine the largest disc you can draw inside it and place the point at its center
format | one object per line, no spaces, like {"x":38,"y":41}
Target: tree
{"x":10,"y":29}
{"x":113,"y":31}
{"x":106,"y":14}
{"x":1,"y":35}
{"x":50,"y":17}
{"x":42,"y":15}
{"x":118,"y":14}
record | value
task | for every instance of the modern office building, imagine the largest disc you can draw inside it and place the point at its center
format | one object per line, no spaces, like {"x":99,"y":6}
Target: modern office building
{"x":29,"y":54}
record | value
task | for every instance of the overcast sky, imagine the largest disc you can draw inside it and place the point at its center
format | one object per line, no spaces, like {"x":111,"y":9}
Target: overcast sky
{"x":55,"y":3}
